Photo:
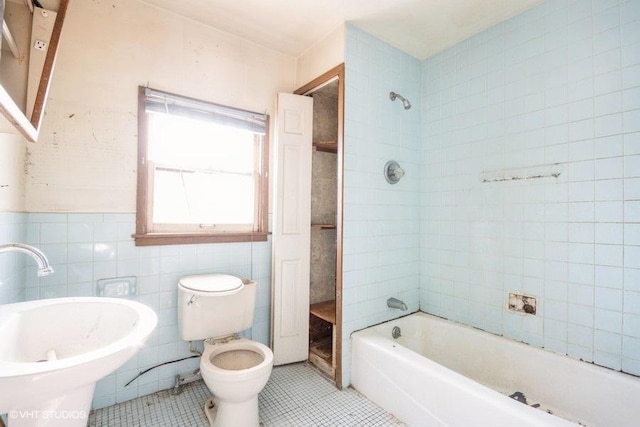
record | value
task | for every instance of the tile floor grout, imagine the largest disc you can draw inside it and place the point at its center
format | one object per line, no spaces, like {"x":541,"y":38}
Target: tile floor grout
{"x":296,"y":395}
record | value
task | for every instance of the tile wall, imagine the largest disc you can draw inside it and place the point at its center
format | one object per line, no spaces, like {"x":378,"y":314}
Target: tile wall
{"x":13,"y":229}
{"x":556,"y":89}
{"x":381,"y":221}
{"x":84,"y":248}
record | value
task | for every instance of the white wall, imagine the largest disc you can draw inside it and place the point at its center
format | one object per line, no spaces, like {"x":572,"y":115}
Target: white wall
{"x":13,"y":148}
{"x":321,"y":57}
{"x":85,"y":160}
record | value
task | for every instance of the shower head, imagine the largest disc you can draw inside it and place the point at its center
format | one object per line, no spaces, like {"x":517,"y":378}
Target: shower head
{"x":405,"y":101}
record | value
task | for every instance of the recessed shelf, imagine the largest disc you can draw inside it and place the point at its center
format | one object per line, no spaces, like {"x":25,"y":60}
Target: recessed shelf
{"x":326,"y":146}
{"x":325,"y":310}
{"x":324,"y":226}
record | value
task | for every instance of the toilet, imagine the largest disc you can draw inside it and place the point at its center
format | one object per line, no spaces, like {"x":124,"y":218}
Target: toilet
{"x":214,"y":308}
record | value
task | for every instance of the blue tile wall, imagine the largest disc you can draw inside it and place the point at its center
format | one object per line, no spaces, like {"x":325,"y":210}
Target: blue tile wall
{"x":381,"y":221}
{"x":84,"y":248}
{"x":13,"y":229}
{"x":557,"y":87}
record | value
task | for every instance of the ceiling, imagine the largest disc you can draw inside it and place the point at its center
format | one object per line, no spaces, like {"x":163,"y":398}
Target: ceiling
{"x":418,"y":27}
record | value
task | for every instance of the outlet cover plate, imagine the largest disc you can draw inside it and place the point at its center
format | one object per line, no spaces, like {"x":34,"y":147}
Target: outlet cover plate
{"x":118,"y":287}
{"x":40,"y":45}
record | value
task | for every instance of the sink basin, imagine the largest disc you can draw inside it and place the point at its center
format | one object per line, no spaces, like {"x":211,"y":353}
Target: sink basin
{"x":54,"y":351}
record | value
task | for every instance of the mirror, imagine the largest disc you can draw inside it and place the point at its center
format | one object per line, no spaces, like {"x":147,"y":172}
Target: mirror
{"x":30,"y":37}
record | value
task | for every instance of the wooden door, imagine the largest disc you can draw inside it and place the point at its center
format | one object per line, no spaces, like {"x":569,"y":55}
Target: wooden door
{"x":291,"y":229}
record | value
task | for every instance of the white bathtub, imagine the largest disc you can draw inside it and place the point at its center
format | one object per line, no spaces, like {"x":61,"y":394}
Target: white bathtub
{"x":441,"y":373}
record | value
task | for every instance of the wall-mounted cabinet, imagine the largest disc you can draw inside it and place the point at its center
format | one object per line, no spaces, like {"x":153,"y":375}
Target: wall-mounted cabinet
{"x":31,"y":36}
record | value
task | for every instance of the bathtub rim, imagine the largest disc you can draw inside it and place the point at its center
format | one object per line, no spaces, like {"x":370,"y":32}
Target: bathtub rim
{"x":435,"y":317}
{"x":382,"y":331}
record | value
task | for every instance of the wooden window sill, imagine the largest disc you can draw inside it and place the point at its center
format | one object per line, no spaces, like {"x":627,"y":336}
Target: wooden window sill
{"x":186,"y":239}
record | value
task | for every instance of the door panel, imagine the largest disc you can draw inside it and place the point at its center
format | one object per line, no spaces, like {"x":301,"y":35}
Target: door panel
{"x":292,"y":229}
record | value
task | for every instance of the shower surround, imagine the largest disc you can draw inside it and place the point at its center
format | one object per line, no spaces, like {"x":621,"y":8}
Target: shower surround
{"x":556,"y":88}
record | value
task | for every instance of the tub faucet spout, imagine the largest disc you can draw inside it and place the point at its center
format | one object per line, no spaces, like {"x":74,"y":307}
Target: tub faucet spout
{"x":396,"y":303}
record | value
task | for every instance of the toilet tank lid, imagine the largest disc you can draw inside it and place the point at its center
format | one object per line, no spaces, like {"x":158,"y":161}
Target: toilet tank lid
{"x":212,"y":283}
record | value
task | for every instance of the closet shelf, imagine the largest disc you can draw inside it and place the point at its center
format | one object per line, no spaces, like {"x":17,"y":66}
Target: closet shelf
{"x":326,"y":146}
{"x":325,"y":310}
{"x":324,"y":226}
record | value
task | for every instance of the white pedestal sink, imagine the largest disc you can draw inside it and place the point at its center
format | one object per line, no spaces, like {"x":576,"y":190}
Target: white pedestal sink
{"x":54,"y":351}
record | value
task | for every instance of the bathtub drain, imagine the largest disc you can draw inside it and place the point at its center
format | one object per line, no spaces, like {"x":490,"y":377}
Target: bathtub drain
{"x":396,"y":332}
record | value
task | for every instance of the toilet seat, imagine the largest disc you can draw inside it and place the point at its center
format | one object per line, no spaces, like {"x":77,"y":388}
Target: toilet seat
{"x":251,"y":359}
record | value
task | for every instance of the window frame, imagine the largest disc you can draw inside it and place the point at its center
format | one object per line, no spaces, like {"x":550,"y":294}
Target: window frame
{"x":144,"y":236}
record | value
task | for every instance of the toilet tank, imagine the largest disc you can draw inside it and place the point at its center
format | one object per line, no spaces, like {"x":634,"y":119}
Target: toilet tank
{"x":214,"y":305}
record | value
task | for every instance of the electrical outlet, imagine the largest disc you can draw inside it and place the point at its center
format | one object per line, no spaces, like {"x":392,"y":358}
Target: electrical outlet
{"x":40,"y":45}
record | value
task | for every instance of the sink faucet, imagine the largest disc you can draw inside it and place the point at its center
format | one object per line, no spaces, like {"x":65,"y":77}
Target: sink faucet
{"x":43,"y":264}
{"x":396,"y":303}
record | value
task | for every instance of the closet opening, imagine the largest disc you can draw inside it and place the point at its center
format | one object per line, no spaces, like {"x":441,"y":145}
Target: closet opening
{"x":325,"y":310}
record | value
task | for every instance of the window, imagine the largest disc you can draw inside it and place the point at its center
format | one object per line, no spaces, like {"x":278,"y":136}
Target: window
{"x":202,"y":171}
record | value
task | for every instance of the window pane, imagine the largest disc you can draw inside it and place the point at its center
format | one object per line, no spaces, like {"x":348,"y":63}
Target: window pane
{"x":187,"y":197}
{"x":195,"y":144}
{"x":210,"y":177}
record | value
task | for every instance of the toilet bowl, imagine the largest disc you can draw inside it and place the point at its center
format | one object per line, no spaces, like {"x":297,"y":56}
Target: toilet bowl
{"x":235,"y":371}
